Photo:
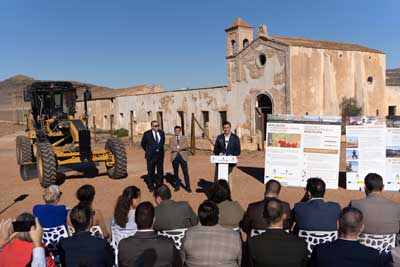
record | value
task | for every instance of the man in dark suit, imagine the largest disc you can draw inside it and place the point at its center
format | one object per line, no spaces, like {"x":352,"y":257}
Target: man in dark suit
{"x":381,"y":215}
{"x":172,"y":214}
{"x":227,"y":144}
{"x":146,"y":248}
{"x":254,"y":219}
{"x":275,"y":247}
{"x":83,"y":249}
{"x":346,"y":251}
{"x":153,"y":144}
{"x":313,"y":213}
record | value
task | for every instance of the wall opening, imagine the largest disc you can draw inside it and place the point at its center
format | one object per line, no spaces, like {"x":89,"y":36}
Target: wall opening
{"x":370,"y":80}
{"x":392,"y":110}
{"x":263,"y":108}
{"x":377,"y":112}
{"x":234,"y":47}
{"x":148,"y":116}
{"x":245,"y":43}
{"x":223,"y":118}
{"x":111,"y":121}
{"x":181,"y":122}
{"x":160,"y":119}
{"x":206,"y":121}
{"x":121,"y":115}
{"x":261,"y":60}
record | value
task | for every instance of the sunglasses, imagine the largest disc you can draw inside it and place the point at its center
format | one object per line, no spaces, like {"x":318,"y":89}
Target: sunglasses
{"x":155,"y":125}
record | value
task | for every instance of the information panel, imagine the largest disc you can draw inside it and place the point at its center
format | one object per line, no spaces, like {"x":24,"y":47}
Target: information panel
{"x":373,"y":145}
{"x":301,"y":147}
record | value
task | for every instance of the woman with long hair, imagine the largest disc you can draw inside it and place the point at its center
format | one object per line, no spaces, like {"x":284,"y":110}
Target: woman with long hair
{"x":230,"y":212}
{"x":124,"y":212}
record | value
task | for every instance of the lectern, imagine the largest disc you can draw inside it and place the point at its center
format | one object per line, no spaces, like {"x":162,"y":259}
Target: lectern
{"x":223,"y":165}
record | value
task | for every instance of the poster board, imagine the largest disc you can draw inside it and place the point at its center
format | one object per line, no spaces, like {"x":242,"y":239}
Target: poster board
{"x":373,"y":145}
{"x":301,"y":147}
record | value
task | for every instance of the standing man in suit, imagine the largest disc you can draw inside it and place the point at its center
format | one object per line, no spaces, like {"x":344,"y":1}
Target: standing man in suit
{"x":227,"y":144}
{"x":275,"y":247}
{"x":381,"y":215}
{"x":146,"y":248}
{"x":254,"y":219}
{"x":153,"y":144}
{"x":83,"y":248}
{"x":347,"y":251}
{"x":170,"y":214}
{"x":179,"y":146}
{"x":314,"y":214}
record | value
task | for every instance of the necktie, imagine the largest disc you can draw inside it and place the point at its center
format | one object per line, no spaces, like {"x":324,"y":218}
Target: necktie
{"x":157,"y":140}
{"x":177,"y":140}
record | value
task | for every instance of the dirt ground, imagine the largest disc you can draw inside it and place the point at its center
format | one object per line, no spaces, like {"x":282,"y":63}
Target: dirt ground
{"x":247,"y":187}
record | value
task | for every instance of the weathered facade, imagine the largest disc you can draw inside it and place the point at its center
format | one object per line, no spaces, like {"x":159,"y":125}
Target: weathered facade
{"x":265,"y":74}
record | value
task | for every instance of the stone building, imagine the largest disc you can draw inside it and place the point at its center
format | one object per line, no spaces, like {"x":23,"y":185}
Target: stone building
{"x":265,"y":74}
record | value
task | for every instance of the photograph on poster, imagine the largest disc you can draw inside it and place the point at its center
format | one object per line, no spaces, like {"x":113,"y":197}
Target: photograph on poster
{"x":352,"y":141}
{"x":393,"y":151}
{"x":367,"y":120}
{"x":284,"y":140}
{"x":352,"y":154}
{"x":351,"y":166}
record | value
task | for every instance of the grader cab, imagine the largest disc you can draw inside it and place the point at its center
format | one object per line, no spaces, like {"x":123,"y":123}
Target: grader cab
{"x":57,"y":138}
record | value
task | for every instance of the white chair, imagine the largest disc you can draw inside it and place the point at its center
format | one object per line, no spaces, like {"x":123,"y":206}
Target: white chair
{"x":52,"y":235}
{"x":314,"y":238}
{"x":176,"y":235}
{"x":255,"y":232}
{"x":95,"y":230}
{"x":383,"y":243}
{"x":116,"y":236}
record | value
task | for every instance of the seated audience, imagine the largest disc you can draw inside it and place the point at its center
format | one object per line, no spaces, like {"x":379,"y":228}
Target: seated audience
{"x":275,"y":247}
{"x":124,"y":213}
{"x":254,"y":219}
{"x":316,"y":214}
{"x":346,"y":251}
{"x":395,"y":253}
{"x":85,"y":195}
{"x":51,"y":214}
{"x":21,"y":248}
{"x":172,"y":214}
{"x":210,"y":244}
{"x":83,"y":249}
{"x":146,"y":248}
{"x":381,"y":215}
{"x":230,"y":212}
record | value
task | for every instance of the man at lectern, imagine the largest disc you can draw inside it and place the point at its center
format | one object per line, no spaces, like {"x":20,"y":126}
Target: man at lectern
{"x":227,"y":144}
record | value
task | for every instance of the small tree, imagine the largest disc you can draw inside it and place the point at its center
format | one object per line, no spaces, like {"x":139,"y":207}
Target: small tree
{"x":349,"y":107}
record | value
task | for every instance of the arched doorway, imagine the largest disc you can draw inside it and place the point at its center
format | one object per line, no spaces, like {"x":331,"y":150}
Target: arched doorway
{"x":264,"y":106}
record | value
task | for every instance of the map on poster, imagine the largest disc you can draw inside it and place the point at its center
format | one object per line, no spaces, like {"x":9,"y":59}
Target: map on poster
{"x":301,"y":147}
{"x":373,"y":145}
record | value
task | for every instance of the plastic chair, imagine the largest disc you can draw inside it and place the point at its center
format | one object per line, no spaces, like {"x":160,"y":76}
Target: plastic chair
{"x":95,"y":230}
{"x":314,"y":238}
{"x":383,"y":243}
{"x":52,"y":235}
{"x":176,"y":235}
{"x":116,"y":236}
{"x":255,"y":232}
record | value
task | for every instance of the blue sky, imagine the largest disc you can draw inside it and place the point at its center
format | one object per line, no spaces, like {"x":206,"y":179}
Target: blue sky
{"x":178,"y":44}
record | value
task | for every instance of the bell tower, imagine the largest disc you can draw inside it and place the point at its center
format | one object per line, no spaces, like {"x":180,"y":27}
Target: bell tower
{"x":238,"y":36}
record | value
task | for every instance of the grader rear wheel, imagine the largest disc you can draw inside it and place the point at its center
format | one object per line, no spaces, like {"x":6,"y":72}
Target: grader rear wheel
{"x":24,"y":150}
{"x":118,"y":171}
{"x":46,"y":164}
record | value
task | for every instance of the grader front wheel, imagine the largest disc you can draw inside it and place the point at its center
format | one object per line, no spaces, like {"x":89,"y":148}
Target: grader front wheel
{"x":118,"y":170}
{"x":46,"y":164}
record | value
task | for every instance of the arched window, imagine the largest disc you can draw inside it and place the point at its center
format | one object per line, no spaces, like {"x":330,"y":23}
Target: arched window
{"x":245,"y":43}
{"x":234,"y":47}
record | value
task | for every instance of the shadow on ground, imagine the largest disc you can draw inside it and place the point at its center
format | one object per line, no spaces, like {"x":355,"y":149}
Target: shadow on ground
{"x":255,"y":172}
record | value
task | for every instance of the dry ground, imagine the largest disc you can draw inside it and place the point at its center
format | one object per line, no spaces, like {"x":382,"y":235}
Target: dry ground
{"x":246,"y":187}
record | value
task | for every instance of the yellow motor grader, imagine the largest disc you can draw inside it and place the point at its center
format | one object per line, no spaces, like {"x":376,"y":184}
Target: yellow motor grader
{"x":57,"y":138}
